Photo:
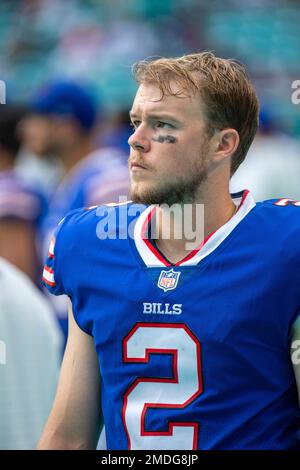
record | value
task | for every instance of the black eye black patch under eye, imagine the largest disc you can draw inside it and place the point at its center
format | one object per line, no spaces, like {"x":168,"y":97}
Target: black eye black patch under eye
{"x":169,"y":139}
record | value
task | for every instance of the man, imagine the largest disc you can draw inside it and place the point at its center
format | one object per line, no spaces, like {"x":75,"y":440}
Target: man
{"x":23,"y":206}
{"x":190,"y":348}
{"x":30,"y":345}
{"x":62,"y":123}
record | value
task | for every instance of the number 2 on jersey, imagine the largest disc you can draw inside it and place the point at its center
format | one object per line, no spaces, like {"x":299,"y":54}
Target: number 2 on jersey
{"x":174,"y":393}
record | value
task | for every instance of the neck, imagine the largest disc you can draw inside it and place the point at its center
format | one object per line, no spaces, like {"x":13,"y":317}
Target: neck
{"x":75,"y":153}
{"x":184,"y":229}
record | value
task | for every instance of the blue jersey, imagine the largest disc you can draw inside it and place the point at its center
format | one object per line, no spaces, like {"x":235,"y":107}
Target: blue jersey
{"x":194,"y":355}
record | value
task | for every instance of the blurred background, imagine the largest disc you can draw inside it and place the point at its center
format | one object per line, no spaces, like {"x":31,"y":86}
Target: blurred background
{"x":98,"y":40}
{"x":64,"y":130}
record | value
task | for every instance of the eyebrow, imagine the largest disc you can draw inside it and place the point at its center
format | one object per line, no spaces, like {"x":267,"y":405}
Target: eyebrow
{"x":156,"y":115}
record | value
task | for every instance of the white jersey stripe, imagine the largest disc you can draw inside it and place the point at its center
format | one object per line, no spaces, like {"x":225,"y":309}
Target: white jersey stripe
{"x":48,"y":276}
{"x":245,"y":204}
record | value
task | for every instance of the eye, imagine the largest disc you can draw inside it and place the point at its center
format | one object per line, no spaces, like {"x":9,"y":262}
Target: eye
{"x":135,"y":124}
{"x":163,"y":125}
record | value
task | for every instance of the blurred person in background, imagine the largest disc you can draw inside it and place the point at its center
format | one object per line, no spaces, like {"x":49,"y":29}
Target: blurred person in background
{"x":22,"y":206}
{"x":29,"y":361}
{"x":114,"y":131}
{"x":272,"y":168}
{"x":39,"y":172}
{"x":62,"y":123}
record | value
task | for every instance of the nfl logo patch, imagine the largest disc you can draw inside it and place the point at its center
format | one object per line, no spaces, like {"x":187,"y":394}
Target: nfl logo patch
{"x":168,"y":280}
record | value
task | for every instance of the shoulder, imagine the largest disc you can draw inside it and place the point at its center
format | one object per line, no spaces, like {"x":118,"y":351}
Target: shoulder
{"x":84,"y":235}
{"x":84,"y":219}
{"x":280,"y":209}
{"x":280,"y":221}
{"x":280,"y":202}
{"x":82,"y":229}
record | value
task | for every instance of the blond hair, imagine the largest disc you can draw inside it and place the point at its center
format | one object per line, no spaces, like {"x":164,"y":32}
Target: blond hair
{"x":228,"y":96}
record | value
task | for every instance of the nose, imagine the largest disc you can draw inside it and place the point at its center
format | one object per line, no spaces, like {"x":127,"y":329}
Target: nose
{"x":139,"y":141}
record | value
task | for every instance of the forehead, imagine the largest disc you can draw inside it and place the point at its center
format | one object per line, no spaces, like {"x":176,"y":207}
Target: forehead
{"x":148,"y":99}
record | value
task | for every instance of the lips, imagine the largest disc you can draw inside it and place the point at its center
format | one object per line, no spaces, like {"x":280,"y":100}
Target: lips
{"x":136,"y":165}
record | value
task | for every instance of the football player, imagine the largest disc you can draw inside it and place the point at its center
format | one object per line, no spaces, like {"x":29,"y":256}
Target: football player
{"x":180,"y":347}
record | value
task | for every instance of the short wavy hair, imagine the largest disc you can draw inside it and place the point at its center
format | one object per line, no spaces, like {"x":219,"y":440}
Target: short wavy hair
{"x":228,"y":96}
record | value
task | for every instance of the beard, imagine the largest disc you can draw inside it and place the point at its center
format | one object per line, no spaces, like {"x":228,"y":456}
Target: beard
{"x":174,"y":190}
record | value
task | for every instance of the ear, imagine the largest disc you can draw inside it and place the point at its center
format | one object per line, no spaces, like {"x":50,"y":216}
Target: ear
{"x":226,"y":142}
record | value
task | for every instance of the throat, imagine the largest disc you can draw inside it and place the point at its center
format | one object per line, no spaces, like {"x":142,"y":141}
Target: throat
{"x":172,"y":253}
{"x":176,"y":241}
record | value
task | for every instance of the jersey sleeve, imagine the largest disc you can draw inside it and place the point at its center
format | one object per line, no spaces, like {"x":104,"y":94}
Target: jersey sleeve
{"x":59,"y":268}
{"x":52,"y":275}
{"x":69,"y":267}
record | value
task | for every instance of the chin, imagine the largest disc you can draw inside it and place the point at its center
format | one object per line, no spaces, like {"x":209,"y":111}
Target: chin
{"x":141,"y":196}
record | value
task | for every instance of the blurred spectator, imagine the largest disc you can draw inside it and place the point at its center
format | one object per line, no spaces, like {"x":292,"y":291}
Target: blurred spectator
{"x":39,"y":172}
{"x":29,"y":361}
{"x":99,"y":40}
{"x":114,"y":131}
{"x":22,"y":207}
{"x":62,"y":123}
{"x":272,"y":167}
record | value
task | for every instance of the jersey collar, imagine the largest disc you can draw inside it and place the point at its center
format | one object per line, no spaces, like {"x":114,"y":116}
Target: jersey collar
{"x":152,"y":258}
